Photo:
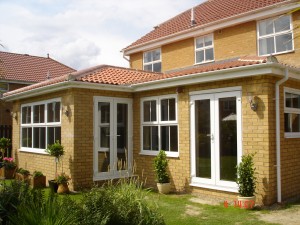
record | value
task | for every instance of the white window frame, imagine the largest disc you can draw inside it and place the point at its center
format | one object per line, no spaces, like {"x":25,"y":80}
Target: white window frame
{"x":204,"y":48}
{"x":274,"y":35}
{"x":44,"y":124}
{"x":291,"y":110}
{"x":152,"y":62}
{"x":159,"y":123}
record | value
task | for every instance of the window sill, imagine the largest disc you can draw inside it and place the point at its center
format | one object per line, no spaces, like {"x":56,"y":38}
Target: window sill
{"x":292,"y":135}
{"x":154,"y":153}
{"x":214,"y":187}
{"x":201,"y":63}
{"x":279,"y":53}
{"x":36,"y":151}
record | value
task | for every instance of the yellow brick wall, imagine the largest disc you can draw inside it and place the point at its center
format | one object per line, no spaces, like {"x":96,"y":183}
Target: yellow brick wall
{"x":229,"y":42}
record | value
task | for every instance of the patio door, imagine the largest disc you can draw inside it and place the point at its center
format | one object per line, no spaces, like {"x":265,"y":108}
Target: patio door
{"x":215,"y":139}
{"x":112,"y":137}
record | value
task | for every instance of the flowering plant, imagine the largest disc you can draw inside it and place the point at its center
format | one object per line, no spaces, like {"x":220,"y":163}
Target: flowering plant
{"x":9,"y":163}
{"x":62,"y":178}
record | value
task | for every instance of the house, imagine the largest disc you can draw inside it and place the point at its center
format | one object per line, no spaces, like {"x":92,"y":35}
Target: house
{"x":19,"y":70}
{"x":213,"y":83}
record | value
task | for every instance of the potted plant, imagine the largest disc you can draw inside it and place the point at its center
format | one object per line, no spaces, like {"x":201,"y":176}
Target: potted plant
{"x":162,"y":176}
{"x":9,"y":167}
{"x":22,"y":175}
{"x":63,"y":181}
{"x":246,"y":180}
{"x":56,"y":150}
{"x":38,"y":180}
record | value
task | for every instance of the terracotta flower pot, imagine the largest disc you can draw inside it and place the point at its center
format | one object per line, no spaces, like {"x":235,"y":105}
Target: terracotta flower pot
{"x":63,"y":188}
{"x":38,"y":182}
{"x":9,"y":173}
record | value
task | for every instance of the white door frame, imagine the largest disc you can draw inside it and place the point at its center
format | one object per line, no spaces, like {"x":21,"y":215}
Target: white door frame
{"x":113,"y":173}
{"x":214,"y":182}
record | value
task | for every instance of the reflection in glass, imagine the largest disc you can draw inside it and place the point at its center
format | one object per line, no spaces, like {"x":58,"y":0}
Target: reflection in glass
{"x":103,"y":161}
{"x":228,"y":138}
{"x":122,"y":136}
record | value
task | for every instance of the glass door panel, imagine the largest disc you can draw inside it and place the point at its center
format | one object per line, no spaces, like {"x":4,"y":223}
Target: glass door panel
{"x":203,"y":138}
{"x":228,"y":138}
{"x":122,"y":136}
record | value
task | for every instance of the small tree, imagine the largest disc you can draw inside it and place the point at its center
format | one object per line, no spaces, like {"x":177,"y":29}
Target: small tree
{"x":246,"y":179}
{"x":56,"y":150}
{"x":161,"y":166}
{"x":5,"y":143}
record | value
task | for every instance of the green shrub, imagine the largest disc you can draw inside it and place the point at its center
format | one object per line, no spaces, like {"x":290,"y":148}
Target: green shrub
{"x":160,"y":167}
{"x":23,"y":171}
{"x":124,"y":203}
{"x":246,"y":178}
{"x":37,"y":174}
{"x":56,"y":149}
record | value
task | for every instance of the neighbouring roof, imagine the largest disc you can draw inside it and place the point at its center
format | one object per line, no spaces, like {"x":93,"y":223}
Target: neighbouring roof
{"x":119,"y":76}
{"x":205,"y":13}
{"x":27,"y":68}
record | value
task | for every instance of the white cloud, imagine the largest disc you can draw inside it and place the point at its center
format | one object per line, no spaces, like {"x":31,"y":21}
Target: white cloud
{"x":81,"y":33}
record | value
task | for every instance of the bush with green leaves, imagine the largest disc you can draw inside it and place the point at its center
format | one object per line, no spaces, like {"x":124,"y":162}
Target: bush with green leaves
{"x":5,"y":143}
{"x":37,"y":174}
{"x":23,"y":171}
{"x":246,"y":176}
{"x":123,"y":203}
{"x":56,"y":149}
{"x":161,"y":167}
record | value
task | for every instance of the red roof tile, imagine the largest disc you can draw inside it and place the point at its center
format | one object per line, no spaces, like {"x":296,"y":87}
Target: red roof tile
{"x":205,"y":13}
{"x":119,"y":76}
{"x":27,"y":68}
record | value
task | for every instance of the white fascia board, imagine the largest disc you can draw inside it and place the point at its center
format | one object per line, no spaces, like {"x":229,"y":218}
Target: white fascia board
{"x":219,"y":75}
{"x":65,"y":85}
{"x":211,"y":27}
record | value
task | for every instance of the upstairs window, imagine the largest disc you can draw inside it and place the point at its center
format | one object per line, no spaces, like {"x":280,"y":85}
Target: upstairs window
{"x":275,"y":35}
{"x":292,"y":112}
{"x":204,"y":49}
{"x":152,"y":60}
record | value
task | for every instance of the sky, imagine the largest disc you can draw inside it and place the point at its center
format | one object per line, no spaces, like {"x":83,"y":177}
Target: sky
{"x":82,"y":33}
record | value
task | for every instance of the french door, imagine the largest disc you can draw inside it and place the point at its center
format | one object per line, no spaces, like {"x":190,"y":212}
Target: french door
{"x":215,"y":139}
{"x":112,"y":137}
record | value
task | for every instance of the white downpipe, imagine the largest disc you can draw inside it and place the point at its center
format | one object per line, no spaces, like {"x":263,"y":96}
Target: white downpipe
{"x":278,"y":163}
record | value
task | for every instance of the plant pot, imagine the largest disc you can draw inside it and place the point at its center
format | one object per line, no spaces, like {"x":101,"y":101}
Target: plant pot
{"x":246,"y":202}
{"x":53,"y":185}
{"x":63,"y":188}
{"x":38,"y":182}
{"x":164,"y":188}
{"x":2,"y":173}
{"x":9,"y":173}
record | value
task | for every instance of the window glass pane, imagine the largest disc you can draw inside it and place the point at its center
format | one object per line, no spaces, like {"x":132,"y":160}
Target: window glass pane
{"x":287,"y":127}
{"x":104,"y":137}
{"x":209,"y":54}
{"x":148,"y":67}
{"x":157,"y":67}
{"x":156,"y":55}
{"x":266,"y":27}
{"x":295,"y":101}
{"x":154,"y":131}
{"x":39,"y":113}
{"x":208,"y":40}
{"x":228,"y":138}
{"x":53,"y":112}
{"x":147,"y":57}
{"x":295,"y":122}
{"x":172,"y":109}
{"x":26,"y":115}
{"x":199,"y":42}
{"x":173,"y":139}
{"x":164,"y":109}
{"x":282,"y":24}
{"x":39,"y":137}
{"x":284,"y":42}
{"x":146,"y":138}
{"x":266,"y":46}
{"x":164,"y":137}
{"x":199,"y":56}
{"x":104,"y":110}
{"x":53,"y":134}
{"x":27,"y":137}
{"x":153,"y":111}
{"x":288,"y":99}
{"x":147,"y":110}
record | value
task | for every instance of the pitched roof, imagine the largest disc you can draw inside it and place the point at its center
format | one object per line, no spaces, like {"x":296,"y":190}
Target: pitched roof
{"x":27,"y":68}
{"x":205,"y":13}
{"x":119,"y":76}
